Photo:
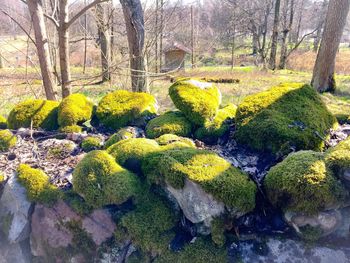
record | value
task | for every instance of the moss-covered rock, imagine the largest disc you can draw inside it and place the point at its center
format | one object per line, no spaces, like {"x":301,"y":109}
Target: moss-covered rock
{"x":2,"y":178}
{"x":74,"y":109}
{"x":101,"y":181}
{"x":7,"y":140}
{"x":121,"y":108}
{"x":72,"y":129}
{"x":91,"y":143}
{"x":38,"y":186}
{"x":120,"y":135}
{"x":173,"y":141}
{"x":198,"y":100}
{"x":213,"y":130}
{"x":3,"y":122}
{"x":39,"y":113}
{"x":218,"y":231}
{"x":302,"y":184}
{"x":285,"y":116}
{"x":173,"y":122}
{"x":216,"y":176}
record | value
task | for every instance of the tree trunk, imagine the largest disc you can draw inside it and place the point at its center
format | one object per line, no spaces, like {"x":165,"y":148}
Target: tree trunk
{"x":161,"y":34}
{"x":285,"y":34}
{"x":274,"y":40}
{"x":105,"y":41}
{"x":323,"y":75}
{"x":320,"y":24}
{"x":134,"y":21}
{"x":42,"y":46}
{"x":63,"y":43}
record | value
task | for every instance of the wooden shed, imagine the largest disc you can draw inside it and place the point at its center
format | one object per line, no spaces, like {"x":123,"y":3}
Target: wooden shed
{"x":174,"y":57}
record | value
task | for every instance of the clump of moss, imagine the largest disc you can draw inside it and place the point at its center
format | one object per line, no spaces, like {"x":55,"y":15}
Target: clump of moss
{"x":7,"y":140}
{"x":310,"y":233}
{"x":213,"y":130}
{"x":284,"y":115}
{"x":38,"y":186}
{"x":175,"y":141}
{"x":217,"y":176}
{"x":218,"y":231}
{"x":72,"y":129}
{"x":121,"y":108}
{"x":338,"y":158}
{"x":173,"y":122}
{"x":77,"y":203}
{"x":101,"y":181}
{"x":39,"y":113}
{"x":120,"y":135}
{"x":3,"y":122}
{"x":302,"y":184}
{"x":2,"y":178}
{"x":91,"y":143}
{"x":198,"y":100}
{"x":74,"y":110}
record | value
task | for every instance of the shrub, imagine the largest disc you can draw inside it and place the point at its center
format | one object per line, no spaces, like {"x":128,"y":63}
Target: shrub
{"x":41,"y":113}
{"x":169,"y":123}
{"x":101,"y":181}
{"x":71,"y":129}
{"x":7,"y":140}
{"x":284,"y":116}
{"x":38,"y":186}
{"x":74,"y":109}
{"x":3,"y":122}
{"x":302,"y":184}
{"x":121,"y":108}
{"x":91,"y":143}
{"x":213,"y":130}
{"x":199,"y":101}
{"x":122,"y":134}
{"x":174,"y":141}
{"x":217,"y":177}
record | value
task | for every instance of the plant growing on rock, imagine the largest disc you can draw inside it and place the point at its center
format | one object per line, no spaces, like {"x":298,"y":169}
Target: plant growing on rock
{"x":171,"y":140}
{"x":3,"y":122}
{"x":120,"y":135}
{"x":91,"y":143}
{"x":7,"y":140}
{"x":71,"y":129}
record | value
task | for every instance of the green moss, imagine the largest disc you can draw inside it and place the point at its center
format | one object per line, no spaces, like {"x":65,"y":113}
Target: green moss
{"x":101,"y":181}
{"x":284,"y":115}
{"x":7,"y":140}
{"x":122,"y":134}
{"x":173,"y":122}
{"x":199,"y":101}
{"x":301,"y":183}
{"x":74,"y":109}
{"x":77,"y":203}
{"x":310,"y":233}
{"x":218,"y":232}
{"x":37,"y":184}
{"x":3,"y":122}
{"x":61,"y":151}
{"x":213,"y":130}
{"x":91,"y":143}
{"x":174,"y":140}
{"x":201,"y":251}
{"x":217,"y":177}
{"x":71,"y":129}
{"x":2,"y":178}
{"x":121,"y":108}
{"x":338,"y":158}
{"x":39,"y":113}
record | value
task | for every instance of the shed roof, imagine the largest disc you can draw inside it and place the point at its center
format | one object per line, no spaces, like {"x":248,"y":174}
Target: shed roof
{"x":177,"y":46}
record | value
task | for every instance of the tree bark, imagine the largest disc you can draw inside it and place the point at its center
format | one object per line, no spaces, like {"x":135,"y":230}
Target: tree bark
{"x":323,"y":75}
{"x":274,"y":40}
{"x":134,"y":21}
{"x":320,"y":24}
{"x":42,"y":46}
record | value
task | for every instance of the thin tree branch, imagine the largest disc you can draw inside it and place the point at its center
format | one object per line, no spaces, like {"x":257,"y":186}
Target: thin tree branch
{"x":52,"y":19}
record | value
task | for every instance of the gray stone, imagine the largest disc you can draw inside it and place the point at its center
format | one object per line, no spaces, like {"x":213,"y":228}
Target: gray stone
{"x":13,"y":253}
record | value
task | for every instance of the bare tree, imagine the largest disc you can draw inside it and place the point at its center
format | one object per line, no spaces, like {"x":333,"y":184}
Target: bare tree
{"x":274,"y":40}
{"x":323,"y":75}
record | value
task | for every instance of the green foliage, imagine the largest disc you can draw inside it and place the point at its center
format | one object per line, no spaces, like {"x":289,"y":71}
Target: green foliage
{"x":7,"y":140}
{"x":71,"y":129}
{"x":77,"y":203}
{"x":310,"y":233}
{"x":2,"y":178}
{"x":338,"y":158}
{"x":173,"y":122}
{"x":38,"y":186}
{"x":120,"y":108}
{"x":3,"y":122}
{"x":199,"y":101}
{"x":289,"y":114}
{"x":217,"y":177}
{"x":91,"y":143}
{"x":74,"y":109}
{"x":302,"y":183}
{"x":213,"y":130}
{"x":101,"y":181}
{"x":218,"y":232}
{"x":174,"y":140}
{"x":42,"y":113}
{"x":201,"y":251}
{"x":122,"y":134}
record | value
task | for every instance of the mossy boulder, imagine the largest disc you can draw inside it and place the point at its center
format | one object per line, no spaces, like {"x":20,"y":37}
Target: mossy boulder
{"x":3,"y":122}
{"x":91,"y":143}
{"x":101,"y":181}
{"x":122,"y":108}
{"x":74,"y":110}
{"x":72,"y":129}
{"x":198,"y":100}
{"x":213,"y":130}
{"x":122,"y":134}
{"x":38,"y":186}
{"x":303,"y":184}
{"x":172,"y":122}
{"x":7,"y":140}
{"x":213,"y":173}
{"x":39,"y":113}
{"x":173,"y":141}
{"x":287,"y":116}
